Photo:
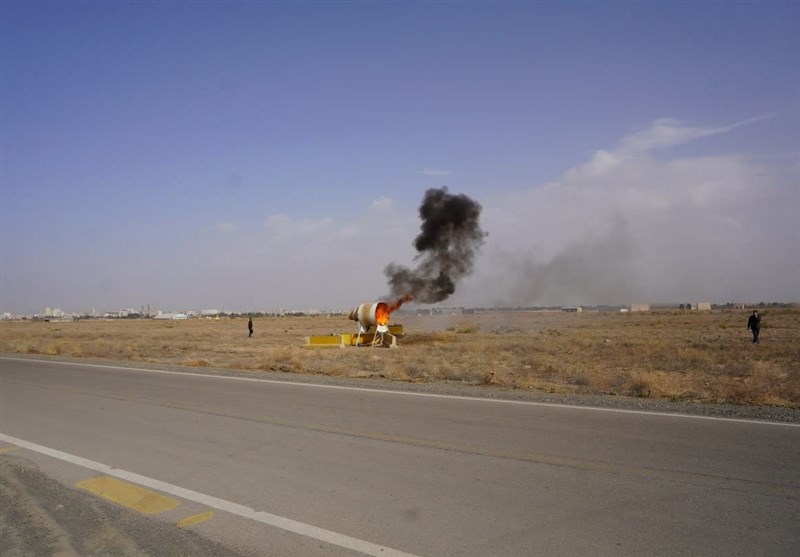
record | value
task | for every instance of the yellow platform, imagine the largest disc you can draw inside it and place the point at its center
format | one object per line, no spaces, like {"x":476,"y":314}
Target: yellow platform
{"x":345,"y":340}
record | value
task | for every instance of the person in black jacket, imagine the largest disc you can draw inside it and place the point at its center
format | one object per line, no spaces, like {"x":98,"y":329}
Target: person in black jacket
{"x":250,"y":327}
{"x":754,"y":324}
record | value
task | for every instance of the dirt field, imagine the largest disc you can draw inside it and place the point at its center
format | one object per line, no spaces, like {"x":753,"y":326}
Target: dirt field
{"x":686,"y":356}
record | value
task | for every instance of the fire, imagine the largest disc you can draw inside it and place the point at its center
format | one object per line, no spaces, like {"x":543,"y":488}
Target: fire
{"x":384,"y":310}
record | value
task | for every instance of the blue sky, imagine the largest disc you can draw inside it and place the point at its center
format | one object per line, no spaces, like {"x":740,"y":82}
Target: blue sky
{"x":259,"y":155}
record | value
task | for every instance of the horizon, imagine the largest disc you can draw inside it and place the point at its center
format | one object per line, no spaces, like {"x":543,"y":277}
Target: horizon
{"x":133,"y":312}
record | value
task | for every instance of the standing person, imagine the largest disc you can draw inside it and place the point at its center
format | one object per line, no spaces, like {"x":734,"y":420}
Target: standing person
{"x":250,"y":327}
{"x":754,"y":324}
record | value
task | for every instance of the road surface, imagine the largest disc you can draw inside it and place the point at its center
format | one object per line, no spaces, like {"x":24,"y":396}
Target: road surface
{"x":272,"y":468}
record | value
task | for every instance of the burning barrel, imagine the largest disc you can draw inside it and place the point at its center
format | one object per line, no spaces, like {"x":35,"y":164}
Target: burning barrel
{"x":374,"y":314}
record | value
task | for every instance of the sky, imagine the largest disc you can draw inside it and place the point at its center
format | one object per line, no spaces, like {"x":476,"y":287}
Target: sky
{"x":256,"y":156}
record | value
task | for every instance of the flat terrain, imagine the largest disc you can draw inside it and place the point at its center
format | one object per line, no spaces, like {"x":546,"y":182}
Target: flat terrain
{"x":665,"y":355}
{"x":292,"y":469}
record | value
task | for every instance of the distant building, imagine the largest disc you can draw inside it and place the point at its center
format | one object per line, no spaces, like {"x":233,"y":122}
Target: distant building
{"x":640,"y":307}
{"x":703,"y":306}
{"x":572,"y":309}
{"x":162,"y":315}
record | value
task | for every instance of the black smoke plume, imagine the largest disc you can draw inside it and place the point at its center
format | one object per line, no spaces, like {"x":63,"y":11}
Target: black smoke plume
{"x":450,"y":238}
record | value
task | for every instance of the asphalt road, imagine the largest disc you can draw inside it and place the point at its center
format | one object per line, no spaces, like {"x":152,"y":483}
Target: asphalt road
{"x":271,"y":468}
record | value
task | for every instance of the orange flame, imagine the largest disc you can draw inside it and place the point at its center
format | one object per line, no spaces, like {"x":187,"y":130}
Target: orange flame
{"x":383,"y":311}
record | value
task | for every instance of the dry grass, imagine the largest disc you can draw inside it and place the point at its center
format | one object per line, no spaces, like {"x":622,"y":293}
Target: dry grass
{"x":676,"y":355}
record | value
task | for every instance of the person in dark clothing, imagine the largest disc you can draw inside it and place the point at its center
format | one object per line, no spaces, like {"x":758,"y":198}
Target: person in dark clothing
{"x":754,"y":324}
{"x":250,"y":327}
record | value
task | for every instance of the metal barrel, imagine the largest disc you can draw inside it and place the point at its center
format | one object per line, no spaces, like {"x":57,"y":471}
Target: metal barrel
{"x":365,"y":314}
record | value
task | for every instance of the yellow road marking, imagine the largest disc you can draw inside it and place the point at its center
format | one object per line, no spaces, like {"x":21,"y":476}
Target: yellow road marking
{"x":129,"y":495}
{"x":196,"y":519}
{"x":8,"y":449}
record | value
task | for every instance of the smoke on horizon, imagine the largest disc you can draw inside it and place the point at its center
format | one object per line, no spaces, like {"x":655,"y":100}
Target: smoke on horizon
{"x":599,"y":269}
{"x":447,"y":245}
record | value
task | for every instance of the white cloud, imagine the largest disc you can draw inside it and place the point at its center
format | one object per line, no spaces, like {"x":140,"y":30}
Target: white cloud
{"x":307,"y":262}
{"x":382,"y":204}
{"x":600,"y":163}
{"x":226,"y":228}
{"x":433,"y":172}
{"x":628,"y":225}
{"x":379,"y":220}
{"x":282,"y":228}
{"x":667,"y":132}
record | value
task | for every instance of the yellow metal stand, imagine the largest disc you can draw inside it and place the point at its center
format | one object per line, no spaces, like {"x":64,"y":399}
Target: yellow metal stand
{"x":387,"y":340}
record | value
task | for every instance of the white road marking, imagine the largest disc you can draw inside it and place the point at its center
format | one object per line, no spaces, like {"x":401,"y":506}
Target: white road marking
{"x":412,"y":393}
{"x":308,"y":530}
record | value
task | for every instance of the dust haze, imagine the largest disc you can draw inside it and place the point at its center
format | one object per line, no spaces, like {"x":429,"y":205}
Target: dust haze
{"x":601,"y":269}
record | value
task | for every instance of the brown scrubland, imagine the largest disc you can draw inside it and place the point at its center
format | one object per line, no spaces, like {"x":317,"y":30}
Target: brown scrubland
{"x":677,"y":355}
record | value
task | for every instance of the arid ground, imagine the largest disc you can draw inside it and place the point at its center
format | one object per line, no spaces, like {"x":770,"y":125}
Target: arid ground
{"x":676,"y":355}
